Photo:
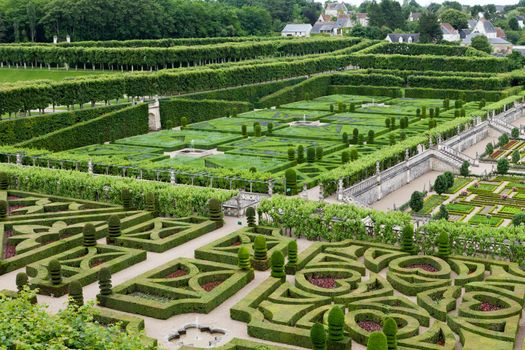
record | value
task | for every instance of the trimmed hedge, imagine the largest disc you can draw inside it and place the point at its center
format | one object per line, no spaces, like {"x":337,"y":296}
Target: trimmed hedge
{"x":315,"y":87}
{"x":171,"y":111}
{"x":367,"y":79}
{"x":459,"y":83}
{"x":454,"y":94}
{"x":129,"y":121}
{"x":424,"y":49}
{"x":365,"y":90}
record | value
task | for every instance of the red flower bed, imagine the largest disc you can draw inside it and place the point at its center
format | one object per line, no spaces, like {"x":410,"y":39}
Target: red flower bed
{"x":96,"y":262}
{"x":487,"y":307}
{"x":326,"y":282}
{"x":178,"y":273}
{"x":370,"y":326}
{"x":15,"y":207}
{"x":496,"y":154}
{"x":426,"y":267}
{"x":9,"y":248}
{"x":236,"y":243}
{"x":510,"y":144}
{"x":10,"y":198}
{"x":211,"y":285}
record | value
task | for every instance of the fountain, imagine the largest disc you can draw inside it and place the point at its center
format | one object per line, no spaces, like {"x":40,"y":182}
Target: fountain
{"x":191,"y":151}
{"x":373,"y":104}
{"x":197,"y":335}
{"x":305,"y":122}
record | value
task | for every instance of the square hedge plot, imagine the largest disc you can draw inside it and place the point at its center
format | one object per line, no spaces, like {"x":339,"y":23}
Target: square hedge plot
{"x":284,"y":115}
{"x":128,"y":152}
{"x":234,"y":125}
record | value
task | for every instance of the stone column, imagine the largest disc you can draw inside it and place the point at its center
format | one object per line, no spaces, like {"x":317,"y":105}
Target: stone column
{"x":270,"y":187}
{"x":173,"y":179}
{"x":321,"y":192}
{"x":18,"y":159}
{"x":340,"y":190}
{"x":90,"y":167}
{"x":378,"y":179}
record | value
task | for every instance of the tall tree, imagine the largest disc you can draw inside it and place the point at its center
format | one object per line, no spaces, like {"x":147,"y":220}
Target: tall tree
{"x":456,"y":18}
{"x":453,"y":5}
{"x":481,"y":43}
{"x":429,"y":28}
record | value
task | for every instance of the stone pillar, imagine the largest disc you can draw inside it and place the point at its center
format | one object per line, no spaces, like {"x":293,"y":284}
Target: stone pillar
{"x":321,"y":192}
{"x":18,"y":159}
{"x":340,"y":189}
{"x":407,"y":158}
{"x":55,"y":39}
{"x":173,"y":179}
{"x":90,"y":167}
{"x":378,"y":179}
{"x":270,"y":187}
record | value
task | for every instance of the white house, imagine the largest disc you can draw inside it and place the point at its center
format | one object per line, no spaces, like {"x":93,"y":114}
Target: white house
{"x":414,"y":16}
{"x":520,"y":21}
{"x":499,"y":45}
{"x":486,"y":28}
{"x":334,"y":9}
{"x":449,"y":33}
{"x":325,"y":28}
{"x":403,"y":38}
{"x":362,"y":18}
{"x":299,"y":30}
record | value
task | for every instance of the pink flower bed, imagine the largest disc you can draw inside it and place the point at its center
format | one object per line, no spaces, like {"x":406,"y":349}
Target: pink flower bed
{"x":487,"y":307}
{"x":370,"y":326}
{"x":176,"y":274}
{"x":325,"y":282}
{"x":426,"y":267}
{"x":211,"y":285}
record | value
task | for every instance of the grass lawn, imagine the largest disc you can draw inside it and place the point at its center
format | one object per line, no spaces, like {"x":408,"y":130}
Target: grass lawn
{"x":432,"y":202}
{"x":459,"y":183}
{"x":283,"y":115}
{"x":460,"y":208}
{"x":13,"y":75}
{"x":482,"y":219}
{"x":234,"y":125}
{"x":323,"y":103}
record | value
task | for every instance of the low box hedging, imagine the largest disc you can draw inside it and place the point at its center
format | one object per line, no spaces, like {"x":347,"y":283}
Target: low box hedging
{"x":129,"y":121}
{"x":242,"y":344}
{"x":128,"y":323}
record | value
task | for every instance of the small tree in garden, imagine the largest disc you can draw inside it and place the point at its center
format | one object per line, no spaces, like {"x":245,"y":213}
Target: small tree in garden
{"x":462,"y":112}
{"x":340,"y":107}
{"x":300,"y":154}
{"x":518,"y":219}
{"x":344,"y":107}
{"x":114,"y":228}
{"x":3,"y":209}
{"x":310,"y":154}
{"x":215,"y":211}
{"x":482,"y":103}
{"x":516,"y":157}
{"x":465,"y":169}
{"x":291,"y":182}
{"x":21,"y":281}
{"x":345,"y":157}
{"x":250,"y":216}
{"x":450,"y":179}
{"x":76,"y":294}
{"x":503,"y":139}
{"x":443,"y":243}
{"x":440,"y":185}
{"x":402,"y":136}
{"x":442,"y":213}
{"x":183,"y":122}
{"x":515,"y":133}
{"x":318,"y":337}
{"x":446,"y":104}
{"x":423,"y":111}
{"x":55,"y":272}
{"x":355,"y":136}
{"x":456,"y":113}
{"x":418,"y":113}
{"x":125,"y":196}
{"x":354,"y":154}
{"x":377,"y":341}
{"x":390,"y":331}
{"x":416,"y":201}
{"x":489,"y":149}
{"x":89,"y":233}
{"x":336,"y":322}
{"x":291,"y":154}
{"x":437,"y":112}
{"x":257,"y":130}
{"x":243,"y":257}
{"x":151,"y":204}
{"x":431,"y":112}
{"x":393,"y":122}
{"x":292,"y":254}
{"x":392,"y":139}
{"x":269,"y":128}
{"x":407,"y":239}
{"x":318,"y":153}
{"x":253,"y":169}
{"x":352,"y":107}
{"x":4,"y":183}
{"x":332,"y":108}
{"x":278,"y":265}
{"x":503,"y":166}
{"x":346,"y":140}
{"x":104,"y":281}
{"x":387,"y":123}
{"x":260,"y":251}
{"x":244,"y":130}
{"x":371,"y":136}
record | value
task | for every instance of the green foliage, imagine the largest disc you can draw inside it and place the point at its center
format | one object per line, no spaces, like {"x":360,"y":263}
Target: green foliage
{"x":503,"y":166}
{"x":318,"y":337}
{"x":407,"y":239}
{"x":355,"y":136}
{"x":269,"y":128}
{"x":215,"y":210}
{"x":429,"y":28}
{"x":345,"y":157}
{"x":183,"y":122}
{"x":449,"y":177}
{"x":104,"y":281}
{"x":4,"y":181}
{"x":277,"y":262}
{"x":291,"y":182}
{"x":515,"y":133}
{"x":489,"y":149}
{"x":244,"y":130}
{"x":345,"y":138}
{"x":481,"y":43}
{"x":336,"y":322}
{"x":259,"y":248}
{"x":377,"y":341}
{"x":21,"y":281}
{"x":446,"y":103}
{"x":257,"y":130}
{"x":318,"y":153}
{"x":300,"y":154}
{"x":465,"y":169}
{"x":354,"y":154}
{"x":310,"y":154}
{"x":250,"y":215}
{"x":292,"y":253}
{"x":441,"y":184}
{"x":55,"y":271}
{"x":371,"y":136}
{"x":151,"y":202}
{"x":113,"y":228}
{"x":442,"y":214}
{"x":418,"y":113}
{"x":291,"y":154}
{"x":125,"y":197}
{"x":516,"y":157}
{"x":3,"y":210}
{"x":76,"y":294}
{"x":390,"y":331}
{"x":443,"y":243}
{"x":243,"y":256}
{"x":89,"y":234}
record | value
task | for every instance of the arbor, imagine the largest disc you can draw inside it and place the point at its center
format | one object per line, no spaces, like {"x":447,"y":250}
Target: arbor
{"x":416,"y":201}
{"x":481,"y":43}
{"x":503,"y":166}
{"x":429,"y":28}
{"x":464,"y":170}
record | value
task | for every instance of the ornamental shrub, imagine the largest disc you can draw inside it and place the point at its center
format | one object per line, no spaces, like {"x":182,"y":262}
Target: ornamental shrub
{"x":55,"y":272}
{"x":502,"y":166}
{"x":243,"y":256}
{"x":393,"y":122}
{"x":252,"y":169}
{"x":402,"y":136}
{"x":518,"y":219}
{"x":355,"y":136}
{"x":450,"y":179}
{"x":291,"y":154}
{"x":418,"y":113}
{"x":346,"y":140}
{"x":446,"y":104}
{"x":503,"y":139}
{"x":354,"y":154}
{"x":482,"y":103}
{"x":278,"y":265}
{"x":150,"y":201}
{"x":318,"y":337}
{"x":4,"y":183}
{"x":441,"y":184}
{"x":215,"y":210}
{"x":371,"y":136}
{"x":292,"y":253}
{"x":3,"y":210}
{"x":437,"y":112}
{"x":377,"y":341}
{"x":260,"y":250}
{"x":387,"y":122}
{"x":442,"y":214}
{"x":340,"y":107}
{"x":257,"y":130}
{"x":244,"y":131}
{"x":464,"y":170}
{"x":515,"y":133}
{"x":269,"y":128}
{"x":336,"y":322}
{"x":310,"y":154}
{"x":250,"y":216}
{"x":423,"y":111}
{"x":183,"y":122}
{"x":390,"y":331}
{"x":352,"y":107}
{"x":443,"y":243}
{"x":89,"y":233}
{"x":76,"y":295}
{"x":125,"y":196}
{"x":332,"y":109}
{"x":392,"y":139}
{"x":407,"y":239}
{"x":416,"y":201}
{"x":489,"y":149}
{"x":462,"y":113}
{"x":291,"y":182}
{"x":21,"y":281}
{"x":104,"y":281}
{"x":114,"y":229}
{"x":516,"y":157}
{"x":300,"y":154}
{"x":345,"y":157}
{"x":318,"y":153}
{"x":456,"y":113}
{"x":431,"y":112}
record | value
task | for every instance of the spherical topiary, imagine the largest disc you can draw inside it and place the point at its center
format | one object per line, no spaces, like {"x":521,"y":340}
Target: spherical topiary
{"x":336,"y":322}
{"x":390,"y":331}
{"x":150,"y":203}
{"x":291,"y":154}
{"x":259,"y":248}
{"x":55,"y":271}
{"x":243,"y":257}
{"x":125,"y":195}
{"x":3,"y":210}
{"x":215,"y":210}
{"x":4,"y":183}
{"x":292,"y":253}
{"x":76,"y":294}
{"x":318,"y":337}
{"x":89,"y":233}
{"x":21,"y":281}
{"x":407,"y":239}
{"x":278,"y":264}
{"x":250,"y":215}
{"x":291,"y":182}
{"x":300,"y":154}
{"x":443,"y":243}
{"x":104,"y":281}
{"x":113,"y":229}
{"x":377,"y":341}
{"x":310,"y":154}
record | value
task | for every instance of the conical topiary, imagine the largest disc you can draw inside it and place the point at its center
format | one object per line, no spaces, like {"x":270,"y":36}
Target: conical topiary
{"x":377,"y":341}
{"x":291,"y":182}
{"x":407,"y":239}
{"x":150,"y":204}
{"x":4,"y":183}
{"x":76,"y":295}
{"x":318,"y":337}
{"x":125,"y":196}
{"x":443,"y":243}
{"x":89,"y":233}
{"x":300,"y":154}
{"x":55,"y":272}
{"x":243,"y":256}
{"x":113,"y":229}
{"x":260,"y":258}
{"x":390,"y":331}
{"x":104,"y":281}
{"x":250,"y":216}
{"x":3,"y":210}
{"x":278,"y":265}
{"x":336,"y":322}
{"x":292,"y":254}
{"x":215,"y":211}
{"x":21,"y":281}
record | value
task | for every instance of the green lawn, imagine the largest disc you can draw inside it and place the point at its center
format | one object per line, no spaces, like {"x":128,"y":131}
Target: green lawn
{"x":13,"y":75}
{"x":323,"y":103}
